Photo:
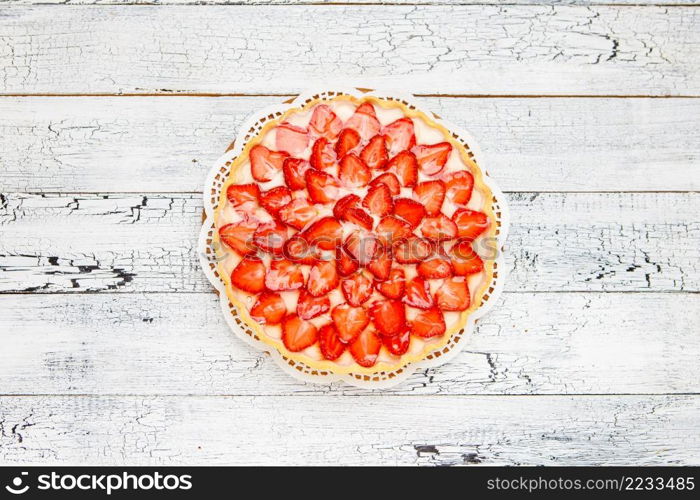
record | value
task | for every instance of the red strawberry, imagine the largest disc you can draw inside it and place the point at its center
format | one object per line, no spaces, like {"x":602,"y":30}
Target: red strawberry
{"x":393,"y":287}
{"x":470,"y":224}
{"x":399,"y":135}
{"x":380,"y":266}
{"x":359,"y":217}
{"x":347,"y":140}
{"x":298,"y":334}
{"x":357,"y":289}
{"x":374,"y":153}
{"x":309,"y":306}
{"x":330,"y":344}
{"x":239,"y":236}
{"x":353,"y":172}
{"x":428,"y":324}
{"x":388,"y":316}
{"x":323,"y":277}
{"x":345,"y":264}
{"x":249,"y":275}
{"x":453,"y":295}
{"x":343,"y":204}
{"x":297,"y":249}
{"x":464,"y":259}
{"x":294,"y":170}
{"x":378,"y":200}
{"x":390,"y":180}
{"x":459,"y":187}
{"x":435,"y":268}
{"x":323,"y":188}
{"x":413,"y":250}
{"x":361,"y":246}
{"x":406,"y":167}
{"x":264,"y":164}
{"x":439,"y":228}
{"x":366,"y":108}
{"x":283,"y":275}
{"x":392,"y":229}
{"x":324,"y":122}
{"x":365,"y":348}
{"x":275,"y":198}
{"x":398,"y":344}
{"x":322,"y":155}
{"x":409,"y":210}
{"x":291,"y":138}
{"x":349,"y":321}
{"x":364,"y":121}
{"x":298,"y":213}
{"x":269,"y":309}
{"x":325,"y":233}
{"x":270,"y":237}
{"x":430,"y":194}
{"x":432,"y":158}
{"x":418,"y":294}
{"x":240,"y":194}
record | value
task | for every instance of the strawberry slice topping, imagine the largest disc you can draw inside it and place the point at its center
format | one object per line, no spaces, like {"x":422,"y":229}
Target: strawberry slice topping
{"x":399,"y":135}
{"x":298,"y":334}
{"x":428,"y":324}
{"x":239,"y":236}
{"x":390,"y":180}
{"x":269,"y":309}
{"x":343,"y":204}
{"x":439,"y":228}
{"x":347,"y":141}
{"x":309,"y":306}
{"x":249,"y":275}
{"x":406,"y":167}
{"x":298,"y":250}
{"x":409,"y":210}
{"x":388,"y":316}
{"x":242,"y":194}
{"x":322,"y":155}
{"x":349,"y":321}
{"x":298,"y":213}
{"x":323,"y":277}
{"x":393,"y":287}
{"x":464,"y":259}
{"x":432,"y":158}
{"x":275,"y":198}
{"x":329,"y":342}
{"x":323,"y":188}
{"x":398,"y":344}
{"x":325,"y":233}
{"x":413,"y":250}
{"x":353,"y":172}
{"x":294,"y":170}
{"x":365,"y":348}
{"x":435,"y":268}
{"x":283,"y":275}
{"x":459,"y":187}
{"x":361,"y":246}
{"x":270,"y":237}
{"x":357,"y":289}
{"x":264,"y":164}
{"x":470,"y":224}
{"x":378,"y":200}
{"x":359,"y":217}
{"x":380,"y":265}
{"x":324,"y":122}
{"x":291,"y":138}
{"x":392,"y":229}
{"x":345,"y":264}
{"x":418,"y":294}
{"x":364,"y":121}
{"x":374,"y":153}
{"x":430,"y":194}
{"x":453,"y":295}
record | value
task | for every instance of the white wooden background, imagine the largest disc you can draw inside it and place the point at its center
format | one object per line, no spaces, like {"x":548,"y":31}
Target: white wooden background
{"x":113,"y":347}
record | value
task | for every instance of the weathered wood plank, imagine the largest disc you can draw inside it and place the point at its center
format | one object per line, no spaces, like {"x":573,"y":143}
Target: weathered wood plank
{"x":531,"y":343}
{"x":558,"y":242}
{"x":640,"y":430}
{"x":166,"y":144}
{"x":424,"y":49}
{"x":384,"y":2}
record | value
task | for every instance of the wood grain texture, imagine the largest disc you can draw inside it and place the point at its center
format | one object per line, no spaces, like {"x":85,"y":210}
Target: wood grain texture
{"x":531,"y":343}
{"x":331,"y":2}
{"x":424,"y":49}
{"x":167,"y":144}
{"x":558,"y":242}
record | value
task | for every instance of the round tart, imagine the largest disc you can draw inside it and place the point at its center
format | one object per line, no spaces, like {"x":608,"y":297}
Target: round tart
{"x":349,"y":234}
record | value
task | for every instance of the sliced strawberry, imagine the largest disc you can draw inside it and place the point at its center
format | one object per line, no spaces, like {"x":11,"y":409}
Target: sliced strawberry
{"x":406,"y":167}
{"x":366,"y":108}
{"x":365,"y":348}
{"x":459,"y":187}
{"x":399,"y":135}
{"x":298,"y":213}
{"x":465,"y":260}
{"x":323,"y":277}
{"x":349,"y":321}
{"x":345,"y":264}
{"x":270,"y":237}
{"x":364,"y":121}
{"x":428,"y":324}
{"x":470,"y":224}
{"x":432,"y":158}
{"x":453,"y":295}
{"x":395,"y":286}
{"x":413,"y":250}
{"x":325,"y":233}
{"x":298,"y":250}
{"x":390,"y":180}
{"x":353,"y":172}
{"x":409,"y":210}
{"x":324,"y":122}
{"x":298,"y":334}
{"x":283,"y":275}
{"x":343,"y":204}
{"x":388,"y":316}
{"x":357,"y":289}
{"x":374,"y":153}
{"x":430,"y":194}
{"x":264,"y":164}
{"x":269,"y":309}
{"x":323,"y":188}
{"x":380,"y":266}
{"x":249,"y":275}
{"x":378,"y":200}
{"x":240,"y":194}
{"x":392,"y":229}
{"x":418,"y":294}
{"x":275,"y":198}
{"x":398,"y":344}
{"x":439,"y":228}
{"x":435,"y":268}
{"x":322,"y":155}
{"x":361,"y":246}
{"x":309,"y":306}
{"x":239,"y":236}
{"x":359,"y":217}
{"x":329,"y":342}
{"x":347,"y":141}
{"x":291,"y":138}
{"x":294,"y":170}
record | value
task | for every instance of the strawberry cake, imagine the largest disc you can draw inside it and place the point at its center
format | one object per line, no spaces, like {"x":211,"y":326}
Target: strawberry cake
{"x":349,"y":234}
